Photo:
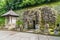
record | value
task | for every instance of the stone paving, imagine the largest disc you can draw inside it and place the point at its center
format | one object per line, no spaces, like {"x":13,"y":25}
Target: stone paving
{"x":10,"y":35}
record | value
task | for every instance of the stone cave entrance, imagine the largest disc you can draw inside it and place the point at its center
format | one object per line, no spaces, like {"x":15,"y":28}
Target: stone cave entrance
{"x":31,"y":20}
{"x":34,"y":23}
{"x":32,"y":26}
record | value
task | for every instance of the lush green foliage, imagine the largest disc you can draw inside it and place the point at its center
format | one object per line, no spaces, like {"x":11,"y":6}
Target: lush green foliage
{"x":6,"y":5}
{"x":17,"y":4}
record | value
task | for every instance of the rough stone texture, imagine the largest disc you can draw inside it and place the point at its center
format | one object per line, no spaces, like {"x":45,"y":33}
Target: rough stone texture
{"x":46,"y":29}
{"x":31,"y":18}
{"x":39,"y":16}
{"x":48,"y":15}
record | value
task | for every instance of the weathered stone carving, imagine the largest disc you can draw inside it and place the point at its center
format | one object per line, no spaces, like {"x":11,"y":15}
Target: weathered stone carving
{"x":48,"y":15}
{"x":32,"y":18}
{"x":36,"y":16}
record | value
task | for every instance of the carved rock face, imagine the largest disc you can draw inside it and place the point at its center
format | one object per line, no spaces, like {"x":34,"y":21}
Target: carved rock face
{"x":32,"y":17}
{"x":48,"y":15}
{"x":44,"y":14}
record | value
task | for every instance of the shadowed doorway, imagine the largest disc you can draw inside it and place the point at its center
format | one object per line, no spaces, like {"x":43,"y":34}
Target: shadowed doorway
{"x":34,"y":22}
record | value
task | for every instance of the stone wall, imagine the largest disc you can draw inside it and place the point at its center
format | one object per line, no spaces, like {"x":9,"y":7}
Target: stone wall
{"x":40,"y":16}
{"x":31,"y":16}
{"x":48,"y":15}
